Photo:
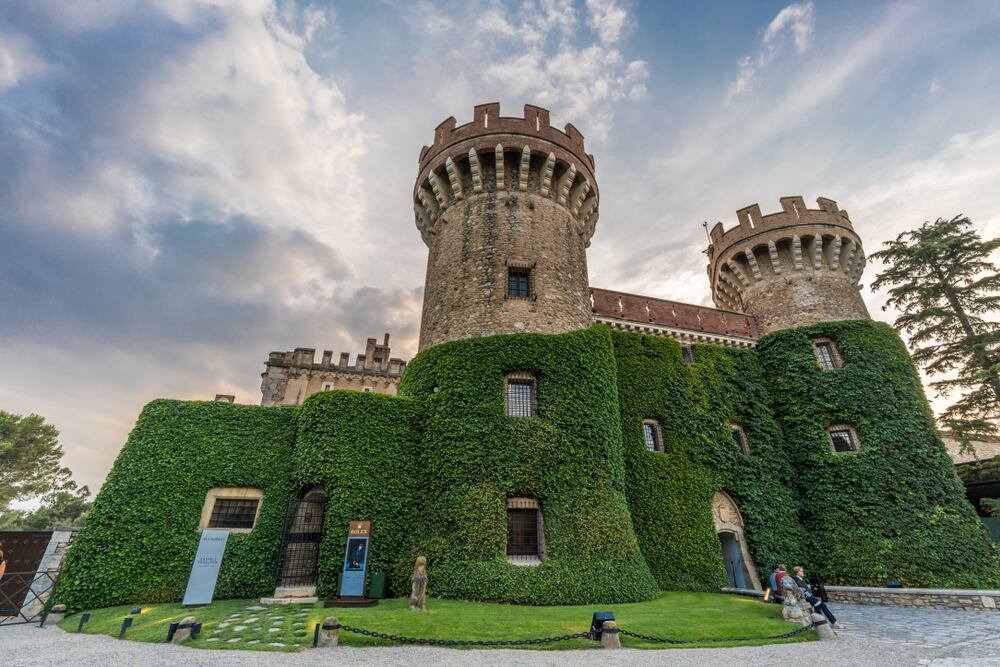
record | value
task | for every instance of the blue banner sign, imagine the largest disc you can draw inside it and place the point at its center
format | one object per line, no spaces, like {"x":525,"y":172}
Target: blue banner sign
{"x":205,"y":571}
{"x":356,"y":559}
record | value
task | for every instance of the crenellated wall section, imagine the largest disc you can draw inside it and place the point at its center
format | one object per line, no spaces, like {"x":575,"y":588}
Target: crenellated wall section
{"x":792,"y":268}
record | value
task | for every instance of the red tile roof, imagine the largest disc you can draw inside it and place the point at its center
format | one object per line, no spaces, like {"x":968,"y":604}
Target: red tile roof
{"x":635,"y":308}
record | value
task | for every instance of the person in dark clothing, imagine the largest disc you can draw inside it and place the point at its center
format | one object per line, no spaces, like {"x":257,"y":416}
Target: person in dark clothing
{"x":814,"y":602}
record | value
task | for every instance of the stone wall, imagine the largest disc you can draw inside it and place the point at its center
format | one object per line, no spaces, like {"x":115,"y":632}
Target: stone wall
{"x":929,"y":598}
{"x":291,"y":377}
{"x":788,"y":269}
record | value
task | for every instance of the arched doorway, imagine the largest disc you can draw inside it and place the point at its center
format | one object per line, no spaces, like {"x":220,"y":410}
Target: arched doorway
{"x":299,"y":565}
{"x":740,"y":570}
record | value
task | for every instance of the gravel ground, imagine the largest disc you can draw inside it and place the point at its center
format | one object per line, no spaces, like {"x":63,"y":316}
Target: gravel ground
{"x":973,"y":645}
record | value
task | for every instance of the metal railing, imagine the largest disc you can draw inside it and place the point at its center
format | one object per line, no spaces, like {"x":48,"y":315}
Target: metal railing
{"x":26,"y":597}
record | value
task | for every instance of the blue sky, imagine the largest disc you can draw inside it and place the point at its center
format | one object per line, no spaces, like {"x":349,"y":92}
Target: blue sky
{"x":186,"y":186}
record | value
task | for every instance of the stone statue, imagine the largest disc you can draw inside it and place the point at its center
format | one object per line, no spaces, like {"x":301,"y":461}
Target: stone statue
{"x":418,"y":581}
{"x":794,"y":605}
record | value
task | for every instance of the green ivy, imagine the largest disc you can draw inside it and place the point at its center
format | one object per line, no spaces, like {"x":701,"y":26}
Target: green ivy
{"x":142,"y":534}
{"x":895,"y":509}
{"x":433,"y":467}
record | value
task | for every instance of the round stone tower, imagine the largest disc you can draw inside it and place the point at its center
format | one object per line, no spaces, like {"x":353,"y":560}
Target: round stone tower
{"x":506,"y":207}
{"x":789,"y":269}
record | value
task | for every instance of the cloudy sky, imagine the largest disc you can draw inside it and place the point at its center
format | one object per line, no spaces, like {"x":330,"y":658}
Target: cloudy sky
{"x":185,"y":186}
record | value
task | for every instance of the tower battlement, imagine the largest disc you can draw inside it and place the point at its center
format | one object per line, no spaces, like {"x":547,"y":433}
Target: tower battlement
{"x":794,"y":267}
{"x":494,"y":154}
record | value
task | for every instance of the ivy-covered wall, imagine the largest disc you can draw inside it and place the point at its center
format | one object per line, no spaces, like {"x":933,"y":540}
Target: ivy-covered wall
{"x":140,"y":539}
{"x":895,"y":509}
{"x":569,"y":457}
{"x":433,"y":467}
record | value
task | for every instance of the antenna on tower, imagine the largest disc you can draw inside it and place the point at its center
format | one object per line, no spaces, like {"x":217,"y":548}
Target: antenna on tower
{"x":707,"y":236}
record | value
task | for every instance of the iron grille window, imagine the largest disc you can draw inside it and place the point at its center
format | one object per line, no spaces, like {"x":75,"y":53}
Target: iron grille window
{"x":652,"y":435}
{"x":522,"y":532}
{"x":826,"y":355}
{"x":844,"y":439}
{"x":518,"y":282}
{"x":229,"y":513}
{"x":740,"y":438}
{"x":687,"y":353}
{"x":520,"y":397}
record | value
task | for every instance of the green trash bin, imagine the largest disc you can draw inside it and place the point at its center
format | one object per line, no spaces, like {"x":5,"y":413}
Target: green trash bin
{"x":376,"y":585}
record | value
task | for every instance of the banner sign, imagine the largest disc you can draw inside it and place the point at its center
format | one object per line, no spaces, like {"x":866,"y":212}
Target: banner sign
{"x":205,"y":571}
{"x":356,"y":559}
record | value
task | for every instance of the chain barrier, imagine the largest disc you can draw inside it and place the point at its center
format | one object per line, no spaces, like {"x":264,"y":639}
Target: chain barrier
{"x":664,"y":640}
{"x":459,"y":642}
{"x":589,"y":634}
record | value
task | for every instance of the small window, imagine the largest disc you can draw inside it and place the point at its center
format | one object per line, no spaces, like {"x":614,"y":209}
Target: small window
{"x":519,"y":283}
{"x":327,"y":386}
{"x":687,"y":353}
{"x":525,"y":532}
{"x":843,"y":439}
{"x":826,"y":354}
{"x":740,"y":438}
{"x":234,"y":513}
{"x":653,"y":435}
{"x":368,"y":390}
{"x":520,"y":395}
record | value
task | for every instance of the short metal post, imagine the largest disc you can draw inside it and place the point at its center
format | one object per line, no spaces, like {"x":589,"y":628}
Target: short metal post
{"x":126,"y":624}
{"x":83,"y":619}
{"x":171,"y":630}
{"x":316,"y":635}
{"x":195,"y":630}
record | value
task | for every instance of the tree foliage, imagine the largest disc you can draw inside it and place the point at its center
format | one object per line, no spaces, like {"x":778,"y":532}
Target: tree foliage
{"x":67,"y":506}
{"x":29,"y":458}
{"x":942,"y":280}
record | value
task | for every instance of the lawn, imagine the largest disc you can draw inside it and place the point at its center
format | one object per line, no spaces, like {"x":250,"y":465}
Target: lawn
{"x":244,"y":624}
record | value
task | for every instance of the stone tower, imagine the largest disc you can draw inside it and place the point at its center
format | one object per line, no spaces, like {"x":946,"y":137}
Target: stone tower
{"x":506,"y":207}
{"x":789,"y":269}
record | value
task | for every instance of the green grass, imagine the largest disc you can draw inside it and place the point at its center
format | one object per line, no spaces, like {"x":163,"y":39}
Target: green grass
{"x":672,"y":614}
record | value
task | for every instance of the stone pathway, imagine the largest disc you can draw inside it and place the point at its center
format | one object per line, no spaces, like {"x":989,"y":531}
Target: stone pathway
{"x":873,"y":636}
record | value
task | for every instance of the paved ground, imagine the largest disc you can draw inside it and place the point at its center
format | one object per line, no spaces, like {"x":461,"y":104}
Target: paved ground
{"x":872,"y":636}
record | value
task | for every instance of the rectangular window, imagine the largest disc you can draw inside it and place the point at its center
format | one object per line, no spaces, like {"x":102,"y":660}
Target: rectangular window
{"x":518,"y":282}
{"x":232,"y":513}
{"x":327,"y":386}
{"x":844,"y":439}
{"x":520,"y":397}
{"x":522,"y":532}
{"x":826,"y":355}
{"x":652,"y":435}
{"x":687,"y":354}
{"x":740,"y":438}
{"x":367,"y":390}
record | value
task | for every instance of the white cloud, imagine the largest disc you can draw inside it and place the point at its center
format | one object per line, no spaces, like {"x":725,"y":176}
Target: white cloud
{"x":935,"y":87}
{"x":608,"y":19}
{"x":19,"y":59}
{"x":796,"y":20}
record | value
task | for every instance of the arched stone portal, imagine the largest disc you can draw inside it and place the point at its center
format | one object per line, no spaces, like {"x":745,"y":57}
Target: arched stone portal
{"x":740,"y":569}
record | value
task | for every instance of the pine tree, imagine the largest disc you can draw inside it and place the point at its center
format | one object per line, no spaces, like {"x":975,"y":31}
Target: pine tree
{"x":942,"y":281}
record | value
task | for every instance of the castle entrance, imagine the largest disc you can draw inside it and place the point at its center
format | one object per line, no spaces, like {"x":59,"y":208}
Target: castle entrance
{"x":740,"y":570}
{"x":299,"y":563}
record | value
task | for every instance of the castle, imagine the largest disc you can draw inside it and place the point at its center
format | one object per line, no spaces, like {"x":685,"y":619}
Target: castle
{"x":555,"y":443}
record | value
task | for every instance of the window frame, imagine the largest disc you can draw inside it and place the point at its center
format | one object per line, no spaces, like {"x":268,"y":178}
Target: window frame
{"x":520,"y":378}
{"x":528,"y":269}
{"x":657,"y":431}
{"x":835,"y":357}
{"x":521,"y":505}
{"x":852,"y":436}
{"x":739,"y":435}
{"x":687,"y":353}
{"x":229,"y":493}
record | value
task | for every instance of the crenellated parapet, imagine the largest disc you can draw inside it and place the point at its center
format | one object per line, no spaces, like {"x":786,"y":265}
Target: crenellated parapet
{"x":789,"y":268}
{"x":495,"y":154}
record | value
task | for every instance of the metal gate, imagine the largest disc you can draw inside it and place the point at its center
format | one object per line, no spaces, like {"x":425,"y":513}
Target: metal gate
{"x":25,"y":587}
{"x":300,"y":538}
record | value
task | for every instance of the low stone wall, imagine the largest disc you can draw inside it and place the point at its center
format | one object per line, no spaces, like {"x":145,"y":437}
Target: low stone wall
{"x":928,"y":598}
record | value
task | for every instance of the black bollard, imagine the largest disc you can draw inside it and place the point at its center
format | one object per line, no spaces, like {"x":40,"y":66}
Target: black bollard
{"x":83,"y":619}
{"x":126,"y":624}
{"x":316,"y":636}
{"x":171,"y":629}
